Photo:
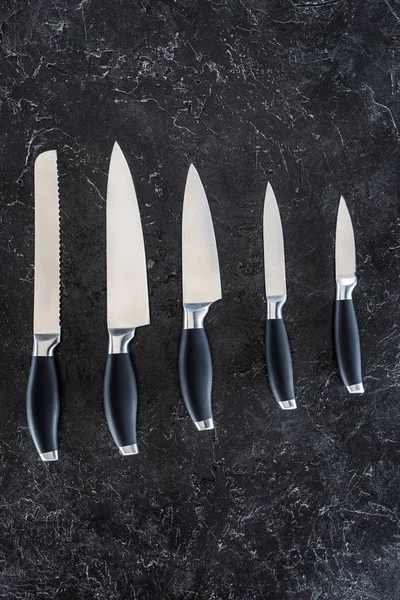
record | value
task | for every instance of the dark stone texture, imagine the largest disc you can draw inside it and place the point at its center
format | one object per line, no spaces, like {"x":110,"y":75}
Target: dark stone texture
{"x":294,"y":506}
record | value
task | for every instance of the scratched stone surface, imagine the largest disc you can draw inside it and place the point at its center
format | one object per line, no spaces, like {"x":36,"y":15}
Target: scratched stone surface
{"x":296,"y":505}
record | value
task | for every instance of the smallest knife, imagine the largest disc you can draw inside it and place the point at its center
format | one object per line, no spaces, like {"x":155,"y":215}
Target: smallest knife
{"x":347,"y":338}
{"x":279,"y":362}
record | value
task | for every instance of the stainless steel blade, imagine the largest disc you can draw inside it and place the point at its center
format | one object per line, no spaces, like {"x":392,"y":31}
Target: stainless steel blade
{"x":274,"y":253}
{"x":47,"y":245}
{"x":200,"y":268}
{"x":345,"y":250}
{"x":127,"y":295}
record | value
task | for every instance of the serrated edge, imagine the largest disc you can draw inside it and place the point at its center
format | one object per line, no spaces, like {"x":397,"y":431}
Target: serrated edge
{"x":59,"y":236}
{"x":59,"y":243}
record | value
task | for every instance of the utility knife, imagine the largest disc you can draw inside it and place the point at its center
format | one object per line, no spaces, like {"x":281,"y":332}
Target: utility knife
{"x":347,"y":338}
{"x":201,"y":287}
{"x":127,"y":301}
{"x":42,"y":398}
{"x":279,"y":362}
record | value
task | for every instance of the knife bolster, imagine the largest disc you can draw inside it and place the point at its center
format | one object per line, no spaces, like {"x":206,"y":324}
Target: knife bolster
{"x":119,"y":339}
{"x":44,"y":343}
{"x":274,"y":306}
{"x":345,"y":287}
{"x":194,"y":315}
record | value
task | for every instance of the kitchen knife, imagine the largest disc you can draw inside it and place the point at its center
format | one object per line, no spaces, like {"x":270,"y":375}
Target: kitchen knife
{"x":42,"y":398}
{"x":201,"y":287}
{"x":347,"y":338}
{"x":127,"y":301}
{"x":279,"y":362}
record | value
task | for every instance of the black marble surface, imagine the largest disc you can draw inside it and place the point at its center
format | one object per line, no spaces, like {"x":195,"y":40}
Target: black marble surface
{"x":272,"y":505}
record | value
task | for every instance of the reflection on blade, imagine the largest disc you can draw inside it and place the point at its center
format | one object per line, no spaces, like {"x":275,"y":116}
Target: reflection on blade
{"x":127,"y":295}
{"x":345,"y":251}
{"x":200,"y":268}
{"x":47,"y":245}
{"x":274,"y":255}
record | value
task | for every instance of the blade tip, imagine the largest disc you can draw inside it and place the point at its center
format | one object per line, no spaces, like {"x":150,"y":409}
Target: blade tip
{"x":192,"y":170}
{"x":193,"y":178}
{"x":269,"y":196}
{"x":269,"y":192}
{"x":116,"y":148}
{"x":46,"y":154}
{"x":117,"y":155}
{"x":343,"y":208}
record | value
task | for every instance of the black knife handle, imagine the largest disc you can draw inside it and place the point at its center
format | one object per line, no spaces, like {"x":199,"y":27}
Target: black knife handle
{"x":279,"y":363}
{"x":347,"y":345}
{"x":195,"y":374}
{"x":43,"y":406}
{"x":120,"y":401}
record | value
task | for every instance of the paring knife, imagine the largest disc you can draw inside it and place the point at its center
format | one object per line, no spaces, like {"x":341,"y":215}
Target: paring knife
{"x":127,"y":301}
{"x":42,"y":398}
{"x":347,"y":339}
{"x":279,"y":362}
{"x":201,"y":287}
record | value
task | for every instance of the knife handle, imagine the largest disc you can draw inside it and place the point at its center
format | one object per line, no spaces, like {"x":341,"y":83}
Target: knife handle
{"x":120,"y":393}
{"x":347,"y":345}
{"x":42,"y":398}
{"x":195,"y":367}
{"x":279,"y":362}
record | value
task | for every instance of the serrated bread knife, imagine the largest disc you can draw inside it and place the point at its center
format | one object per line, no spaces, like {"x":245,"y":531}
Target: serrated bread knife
{"x":347,"y":338}
{"x":201,"y":287}
{"x":127,"y":300}
{"x":42,"y":397}
{"x":279,"y":362}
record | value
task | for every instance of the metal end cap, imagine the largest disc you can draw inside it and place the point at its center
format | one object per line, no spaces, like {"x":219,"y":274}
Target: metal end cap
{"x":49,"y":456}
{"x":288,"y":404}
{"x":204,"y":425}
{"x":128,"y":450}
{"x":357,"y":388}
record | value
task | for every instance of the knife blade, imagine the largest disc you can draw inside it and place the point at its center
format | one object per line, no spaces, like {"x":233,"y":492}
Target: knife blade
{"x":278,"y":358}
{"x":346,"y":334}
{"x":127,"y":300}
{"x":42,"y":397}
{"x":201,"y":287}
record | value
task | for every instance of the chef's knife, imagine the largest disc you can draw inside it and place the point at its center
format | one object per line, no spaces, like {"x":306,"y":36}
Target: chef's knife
{"x":279,"y":362}
{"x":347,"y":339}
{"x":42,"y":398}
{"x":127,"y":301}
{"x":201,"y":287}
